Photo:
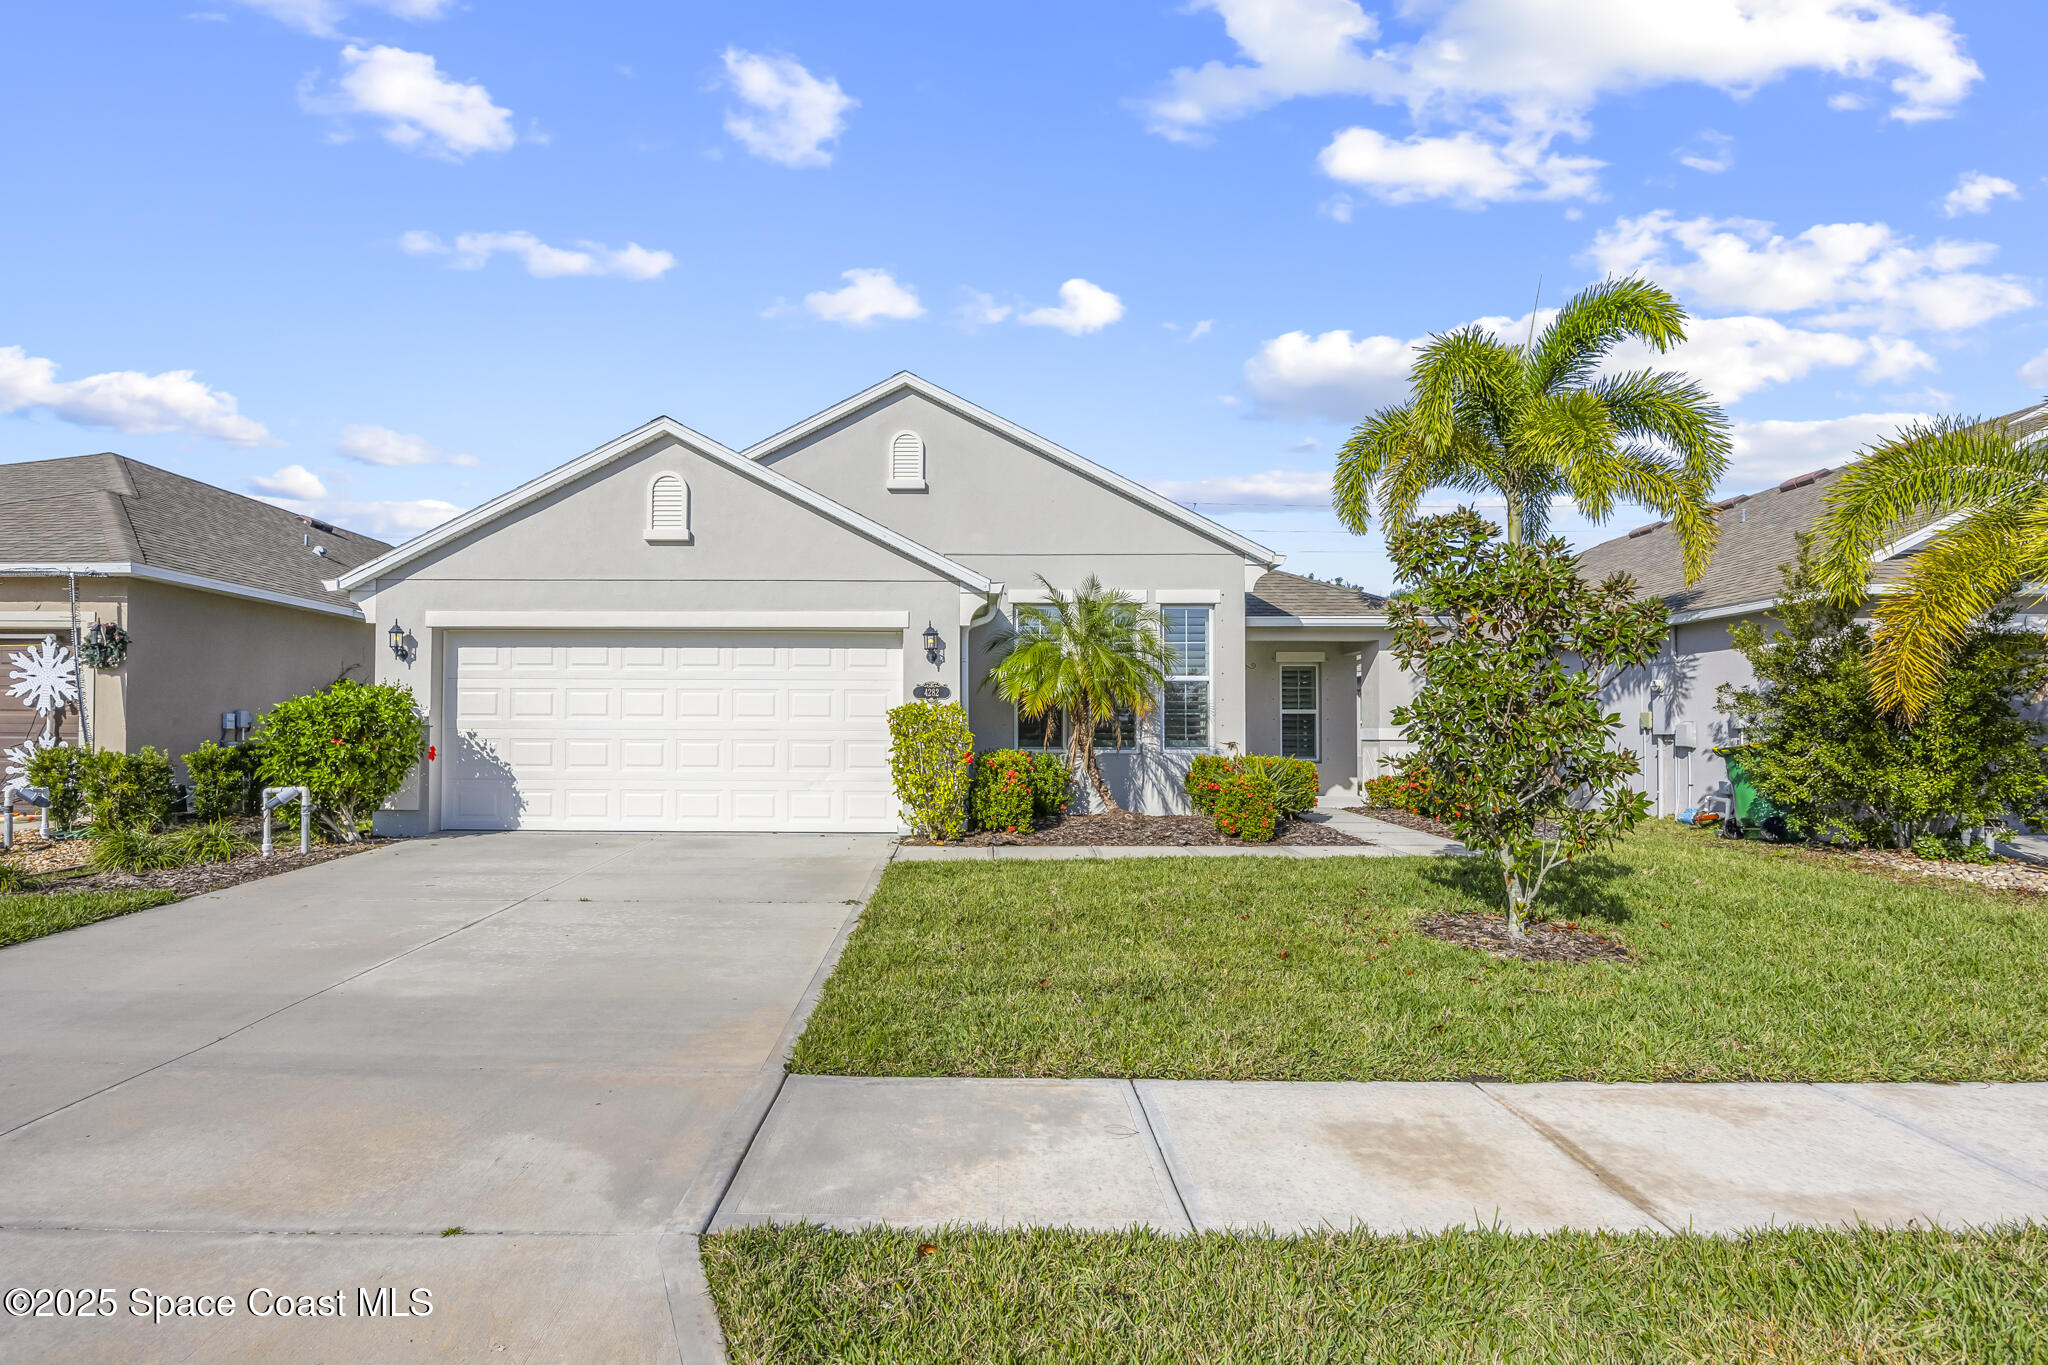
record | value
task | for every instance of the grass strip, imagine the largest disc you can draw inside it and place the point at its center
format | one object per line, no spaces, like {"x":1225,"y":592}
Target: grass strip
{"x":1751,"y":963}
{"x":32,"y":916}
{"x":801,"y":1294}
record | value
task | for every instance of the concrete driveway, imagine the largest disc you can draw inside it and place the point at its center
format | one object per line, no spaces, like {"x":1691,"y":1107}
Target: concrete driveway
{"x":559,"y":1043}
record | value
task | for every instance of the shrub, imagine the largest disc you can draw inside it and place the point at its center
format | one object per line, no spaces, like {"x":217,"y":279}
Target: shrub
{"x":56,"y":770}
{"x":1413,"y":788}
{"x":15,"y":881}
{"x":1205,"y":779}
{"x":1052,"y":784}
{"x":1002,"y":796}
{"x":224,"y":780}
{"x":351,"y":745}
{"x":1248,"y":807}
{"x":931,"y":757}
{"x":1298,"y":784}
{"x":130,"y":848}
{"x":129,"y":791}
{"x":213,"y":841}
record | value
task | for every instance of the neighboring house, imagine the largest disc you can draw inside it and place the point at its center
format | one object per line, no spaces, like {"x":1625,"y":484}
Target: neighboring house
{"x":667,"y":633}
{"x":221,"y":594}
{"x":1668,"y":711}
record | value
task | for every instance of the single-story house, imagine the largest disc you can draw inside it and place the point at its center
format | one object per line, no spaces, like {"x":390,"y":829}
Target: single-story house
{"x":670,"y":634}
{"x":222,"y":597}
{"x":1669,"y":716}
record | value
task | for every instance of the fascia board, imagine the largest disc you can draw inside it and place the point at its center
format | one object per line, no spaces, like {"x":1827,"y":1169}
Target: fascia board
{"x":1087,"y":468}
{"x":179,"y":578}
{"x":563,"y":475}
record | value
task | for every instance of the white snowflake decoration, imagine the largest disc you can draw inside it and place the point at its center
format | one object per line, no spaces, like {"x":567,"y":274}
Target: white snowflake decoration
{"x":18,"y":759}
{"x":44,"y":676}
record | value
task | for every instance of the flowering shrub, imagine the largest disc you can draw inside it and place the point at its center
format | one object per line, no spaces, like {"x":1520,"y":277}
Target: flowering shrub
{"x":1205,"y":779}
{"x":1413,"y":788}
{"x":1051,"y":784}
{"x":931,"y":756}
{"x":1247,"y":807}
{"x":1003,"y":795}
{"x":1296,"y":782}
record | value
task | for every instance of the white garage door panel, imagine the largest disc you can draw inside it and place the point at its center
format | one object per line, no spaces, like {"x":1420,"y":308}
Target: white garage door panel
{"x":670,"y":730}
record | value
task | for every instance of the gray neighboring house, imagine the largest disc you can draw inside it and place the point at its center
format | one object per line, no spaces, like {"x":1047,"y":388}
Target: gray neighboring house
{"x":668,"y":633}
{"x":1668,"y":711}
{"x":223,"y":595}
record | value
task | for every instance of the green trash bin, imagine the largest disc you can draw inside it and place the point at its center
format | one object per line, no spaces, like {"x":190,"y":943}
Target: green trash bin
{"x":1752,"y":807}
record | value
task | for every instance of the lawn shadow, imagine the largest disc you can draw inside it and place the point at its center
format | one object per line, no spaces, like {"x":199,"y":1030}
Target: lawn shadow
{"x":1576,"y":891}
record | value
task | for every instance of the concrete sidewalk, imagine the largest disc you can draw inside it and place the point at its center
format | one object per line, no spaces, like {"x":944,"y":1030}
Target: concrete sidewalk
{"x":1382,"y":840}
{"x":1179,"y":1156}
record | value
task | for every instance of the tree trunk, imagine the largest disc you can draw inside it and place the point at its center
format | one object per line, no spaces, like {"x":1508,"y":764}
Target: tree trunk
{"x":1081,"y":741}
{"x":1514,"y":522}
{"x":1518,"y":899}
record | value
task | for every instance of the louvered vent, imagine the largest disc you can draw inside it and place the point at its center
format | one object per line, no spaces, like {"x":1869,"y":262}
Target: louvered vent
{"x":906,"y":460}
{"x":668,"y":508}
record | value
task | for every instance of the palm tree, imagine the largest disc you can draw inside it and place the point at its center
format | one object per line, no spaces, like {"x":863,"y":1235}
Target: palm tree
{"x":1089,"y":655}
{"x":1984,"y":487}
{"x":1536,"y":421}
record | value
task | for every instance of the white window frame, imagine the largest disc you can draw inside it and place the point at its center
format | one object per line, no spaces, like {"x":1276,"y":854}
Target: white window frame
{"x":1206,"y":678}
{"x":903,"y":484}
{"x":1313,"y":712}
{"x":667,"y":535}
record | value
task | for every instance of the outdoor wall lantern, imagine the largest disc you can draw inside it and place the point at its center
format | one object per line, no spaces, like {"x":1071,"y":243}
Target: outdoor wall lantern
{"x":934,"y":647}
{"x":397,"y":638}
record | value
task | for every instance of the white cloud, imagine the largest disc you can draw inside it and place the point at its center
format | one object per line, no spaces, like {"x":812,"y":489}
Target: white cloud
{"x":393,"y":520}
{"x":867,"y":295}
{"x":2035,"y":371}
{"x":388,"y":449}
{"x":982,"y":310}
{"x":1298,"y":375}
{"x":1710,"y":152}
{"x":790,"y":113}
{"x":423,"y":110}
{"x":472,"y":250}
{"x":1735,"y":356}
{"x":1463,"y":168}
{"x":1847,"y":274}
{"x":126,"y":400}
{"x":1201,"y":329}
{"x":1083,"y":308}
{"x":1271,"y":488}
{"x":1337,"y":208}
{"x":1767,"y":453}
{"x":320,"y":17}
{"x":1974,"y":192}
{"x":293,"y":481}
{"x":1524,"y":72}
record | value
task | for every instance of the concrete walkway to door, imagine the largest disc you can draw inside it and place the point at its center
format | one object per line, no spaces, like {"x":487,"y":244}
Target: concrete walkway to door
{"x":559,"y":1043}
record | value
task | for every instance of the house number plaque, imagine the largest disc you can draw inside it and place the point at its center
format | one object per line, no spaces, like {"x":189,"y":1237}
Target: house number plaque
{"x":931,"y":691}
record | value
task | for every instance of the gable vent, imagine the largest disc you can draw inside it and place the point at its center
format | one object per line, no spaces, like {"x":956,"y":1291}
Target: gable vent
{"x":668,"y":508}
{"x":906,"y":461}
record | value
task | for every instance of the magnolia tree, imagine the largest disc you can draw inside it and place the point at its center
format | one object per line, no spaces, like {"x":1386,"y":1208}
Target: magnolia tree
{"x":1511,"y":650}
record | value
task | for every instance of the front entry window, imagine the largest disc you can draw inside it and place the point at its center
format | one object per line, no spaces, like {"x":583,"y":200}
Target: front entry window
{"x":1298,"y":699}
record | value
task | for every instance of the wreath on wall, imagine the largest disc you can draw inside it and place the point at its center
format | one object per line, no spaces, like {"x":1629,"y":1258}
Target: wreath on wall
{"x":105,"y":645}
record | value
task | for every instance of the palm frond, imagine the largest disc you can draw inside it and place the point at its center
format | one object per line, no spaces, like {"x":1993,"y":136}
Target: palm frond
{"x":1960,"y":577}
{"x":1674,"y":411}
{"x":1596,"y":319}
{"x":1470,"y":373}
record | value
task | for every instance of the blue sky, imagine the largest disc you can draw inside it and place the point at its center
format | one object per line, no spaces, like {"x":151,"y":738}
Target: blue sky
{"x":383,"y":260}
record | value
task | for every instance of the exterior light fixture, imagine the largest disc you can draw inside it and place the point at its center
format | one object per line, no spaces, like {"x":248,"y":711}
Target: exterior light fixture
{"x":396,"y":636}
{"x":934,"y":647}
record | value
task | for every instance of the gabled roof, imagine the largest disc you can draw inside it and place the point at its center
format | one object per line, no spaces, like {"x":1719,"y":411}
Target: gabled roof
{"x":618,"y":448}
{"x":1291,"y":595}
{"x":1759,"y":533}
{"x":119,"y":515}
{"x":903,"y":381}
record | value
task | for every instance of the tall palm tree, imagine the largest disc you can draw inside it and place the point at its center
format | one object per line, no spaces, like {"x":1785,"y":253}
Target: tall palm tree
{"x":1089,"y":654}
{"x":1984,"y":487}
{"x":1535,"y":421}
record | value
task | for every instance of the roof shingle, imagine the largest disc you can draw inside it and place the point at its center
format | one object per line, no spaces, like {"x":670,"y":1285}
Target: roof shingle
{"x":1287,"y":594}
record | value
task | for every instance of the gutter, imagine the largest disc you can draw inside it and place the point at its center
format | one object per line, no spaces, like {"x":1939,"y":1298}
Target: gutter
{"x":178,"y":578}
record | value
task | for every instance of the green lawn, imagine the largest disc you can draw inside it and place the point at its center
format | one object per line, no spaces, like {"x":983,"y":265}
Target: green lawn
{"x":803,"y":1294}
{"x":24,"y":917}
{"x":1753,"y":963}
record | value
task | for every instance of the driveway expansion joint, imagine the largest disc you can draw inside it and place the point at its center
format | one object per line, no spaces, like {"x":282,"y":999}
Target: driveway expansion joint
{"x":1581,"y":1157}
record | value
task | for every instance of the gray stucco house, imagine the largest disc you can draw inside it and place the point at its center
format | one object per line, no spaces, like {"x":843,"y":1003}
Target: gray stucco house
{"x":668,"y":633}
{"x":225,"y":597}
{"x":1668,"y":710}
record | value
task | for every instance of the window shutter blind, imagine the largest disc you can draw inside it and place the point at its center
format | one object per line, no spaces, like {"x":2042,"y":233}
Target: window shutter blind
{"x":906,"y":458}
{"x":669,"y":508}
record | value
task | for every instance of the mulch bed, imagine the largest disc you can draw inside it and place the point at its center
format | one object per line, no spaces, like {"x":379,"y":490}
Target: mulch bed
{"x":197,"y":880}
{"x":1143,"y":831}
{"x":1543,"y":940}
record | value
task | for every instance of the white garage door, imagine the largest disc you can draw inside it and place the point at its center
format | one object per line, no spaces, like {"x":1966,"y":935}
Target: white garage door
{"x":670,"y":730}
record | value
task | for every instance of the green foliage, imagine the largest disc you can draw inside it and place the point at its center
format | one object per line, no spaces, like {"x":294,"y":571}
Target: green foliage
{"x":1205,"y":779}
{"x":1542,"y":422}
{"x":931,"y":755}
{"x":14,"y":880}
{"x":130,"y":848}
{"x":1087,"y":654}
{"x":47,"y":912}
{"x":1052,"y":785}
{"x":1511,"y":650}
{"x":56,"y":770}
{"x":1248,"y":807}
{"x":1822,"y":746}
{"x":212,"y":841}
{"x":225,"y":781}
{"x":1993,"y":482}
{"x":1411,"y":787}
{"x":129,"y":791}
{"x":1002,"y":797}
{"x":351,"y":744}
{"x":1296,"y":783}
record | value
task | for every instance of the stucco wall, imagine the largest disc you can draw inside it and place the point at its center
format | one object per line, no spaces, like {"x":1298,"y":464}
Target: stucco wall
{"x":1336,"y":708}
